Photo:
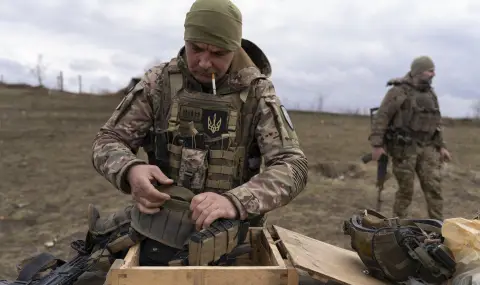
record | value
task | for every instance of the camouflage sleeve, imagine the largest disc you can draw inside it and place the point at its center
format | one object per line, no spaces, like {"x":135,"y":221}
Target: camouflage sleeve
{"x":116,"y":144}
{"x":286,"y":167}
{"x":438,"y":139}
{"x":389,"y":106}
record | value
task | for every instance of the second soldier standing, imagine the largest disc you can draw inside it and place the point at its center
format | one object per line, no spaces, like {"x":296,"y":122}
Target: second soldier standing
{"x":407,"y":126}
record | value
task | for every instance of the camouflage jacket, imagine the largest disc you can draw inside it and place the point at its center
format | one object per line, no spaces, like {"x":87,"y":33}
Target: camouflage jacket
{"x":394,"y":112}
{"x":286,"y":168}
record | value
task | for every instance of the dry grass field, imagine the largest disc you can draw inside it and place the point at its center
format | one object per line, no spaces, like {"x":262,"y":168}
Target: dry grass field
{"x":47,"y":179}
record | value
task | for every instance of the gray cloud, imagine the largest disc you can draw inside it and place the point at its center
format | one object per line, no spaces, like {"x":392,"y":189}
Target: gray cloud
{"x":13,"y":70}
{"x":343,"y":50}
{"x":85,"y":65}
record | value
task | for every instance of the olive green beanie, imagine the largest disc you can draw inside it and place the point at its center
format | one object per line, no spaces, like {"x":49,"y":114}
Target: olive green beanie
{"x":421,"y":64}
{"x":215,"y":22}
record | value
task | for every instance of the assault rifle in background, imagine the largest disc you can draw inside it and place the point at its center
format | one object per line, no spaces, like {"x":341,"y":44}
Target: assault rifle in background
{"x":381,"y":167}
{"x":381,"y":175}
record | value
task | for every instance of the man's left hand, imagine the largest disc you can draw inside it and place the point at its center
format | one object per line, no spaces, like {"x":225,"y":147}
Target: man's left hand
{"x":207,"y":207}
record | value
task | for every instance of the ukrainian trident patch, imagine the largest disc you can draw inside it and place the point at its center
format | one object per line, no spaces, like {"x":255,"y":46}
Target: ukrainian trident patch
{"x":214,"y":122}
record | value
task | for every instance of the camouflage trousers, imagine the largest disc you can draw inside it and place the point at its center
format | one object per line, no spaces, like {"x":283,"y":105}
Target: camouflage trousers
{"x":425,"y":162}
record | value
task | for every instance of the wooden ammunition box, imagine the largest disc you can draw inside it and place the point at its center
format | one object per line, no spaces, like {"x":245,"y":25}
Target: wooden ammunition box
{"x":277,"y":254}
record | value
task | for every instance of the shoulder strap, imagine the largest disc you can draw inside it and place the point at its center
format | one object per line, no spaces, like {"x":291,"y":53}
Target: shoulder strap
{"x":175,"y":84}
{"x":409,"y":104}
{"x":435,"y":98}
{"x":175,"y":77}
{"x":171,"y":82}
{"x":406,"y":101}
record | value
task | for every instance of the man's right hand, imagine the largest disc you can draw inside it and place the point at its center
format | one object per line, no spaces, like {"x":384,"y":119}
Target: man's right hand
{"x":148,"y":198}
{"x":377,"y":153}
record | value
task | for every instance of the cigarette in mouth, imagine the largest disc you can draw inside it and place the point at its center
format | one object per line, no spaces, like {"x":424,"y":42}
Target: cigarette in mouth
{"x":213,"y":84}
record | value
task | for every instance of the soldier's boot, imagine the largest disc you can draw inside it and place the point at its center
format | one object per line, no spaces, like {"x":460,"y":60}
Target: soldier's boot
{"x":109,"y":237}
{"x":435,"y":211}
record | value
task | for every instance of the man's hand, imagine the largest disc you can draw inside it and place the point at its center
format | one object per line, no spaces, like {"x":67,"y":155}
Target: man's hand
{"x":207,"y":207}
{"x":148,"y":198}
{"x":445,"y":155}
{"x":377,"y":152}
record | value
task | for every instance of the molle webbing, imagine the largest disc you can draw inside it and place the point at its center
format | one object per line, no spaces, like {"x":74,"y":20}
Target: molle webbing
{"x":416,"y":118}
{"x":222,"y":162}
{"x":174,"y":122}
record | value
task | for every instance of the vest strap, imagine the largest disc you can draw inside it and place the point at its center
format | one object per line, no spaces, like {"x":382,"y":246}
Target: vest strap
{"x":222,"y":154}
{"x":219,"y":184}
{"x":221,"y":169}
{"x":176,"y":84}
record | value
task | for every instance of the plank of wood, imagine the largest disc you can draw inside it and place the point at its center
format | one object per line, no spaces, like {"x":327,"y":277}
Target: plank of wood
{"x":324,"y":261}
{"x":133,"y":256}
{"x":198,"y":275}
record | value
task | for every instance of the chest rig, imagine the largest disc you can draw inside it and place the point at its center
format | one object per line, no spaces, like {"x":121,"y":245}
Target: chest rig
{"x":419,"y":115}
{"x":206,"y":137}
{"x":425,"y":113}
{"x":203,"y":144}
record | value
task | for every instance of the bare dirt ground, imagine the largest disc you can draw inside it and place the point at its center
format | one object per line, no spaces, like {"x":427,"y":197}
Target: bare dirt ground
{"x":47,"y":179}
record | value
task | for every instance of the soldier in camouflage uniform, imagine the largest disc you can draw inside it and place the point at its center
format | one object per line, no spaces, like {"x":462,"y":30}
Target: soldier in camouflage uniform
{"x":407,"y":126}
{"x":206,"y":135}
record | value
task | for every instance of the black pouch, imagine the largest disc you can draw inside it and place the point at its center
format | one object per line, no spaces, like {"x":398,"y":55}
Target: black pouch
{"x":154,"y":253}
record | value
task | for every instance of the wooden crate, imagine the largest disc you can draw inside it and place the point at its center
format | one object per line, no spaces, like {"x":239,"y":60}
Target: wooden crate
{"x":277,"y":255}
{"x":264,"y":266}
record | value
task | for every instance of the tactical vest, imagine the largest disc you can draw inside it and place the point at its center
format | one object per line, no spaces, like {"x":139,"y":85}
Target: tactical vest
{"x":419,"y":115}
{"x":399,"y":249}
{"x":205,"y":145}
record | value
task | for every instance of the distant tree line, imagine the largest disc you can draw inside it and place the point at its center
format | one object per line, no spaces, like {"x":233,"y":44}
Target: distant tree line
{"x":39,"y":71}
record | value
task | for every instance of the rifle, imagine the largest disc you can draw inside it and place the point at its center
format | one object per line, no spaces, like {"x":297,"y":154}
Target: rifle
{"x":381,"y":175}
{"x":381,"y":167}
{"x":62,"y":272}
{"x":35,"y":271}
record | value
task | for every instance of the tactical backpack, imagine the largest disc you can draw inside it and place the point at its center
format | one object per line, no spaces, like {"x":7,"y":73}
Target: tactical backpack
{"x":400,"y":249}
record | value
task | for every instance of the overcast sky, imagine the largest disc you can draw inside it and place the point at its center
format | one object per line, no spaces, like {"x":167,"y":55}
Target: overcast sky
{"x":343,"y":50}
